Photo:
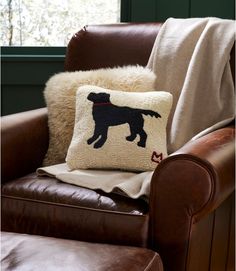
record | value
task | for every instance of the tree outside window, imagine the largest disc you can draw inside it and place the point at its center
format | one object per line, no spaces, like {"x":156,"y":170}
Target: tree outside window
{"x":51,"y":23}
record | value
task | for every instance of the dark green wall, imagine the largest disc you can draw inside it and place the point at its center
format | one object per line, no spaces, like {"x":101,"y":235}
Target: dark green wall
{"x":25,"y":70}
{"x":218,"y":8}
{"x":160,"y":10}
{"x":24,"y":73}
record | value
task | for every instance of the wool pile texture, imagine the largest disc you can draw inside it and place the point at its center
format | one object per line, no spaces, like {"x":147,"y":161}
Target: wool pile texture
{"x":60,"y":97}
{"x":122,"y":132}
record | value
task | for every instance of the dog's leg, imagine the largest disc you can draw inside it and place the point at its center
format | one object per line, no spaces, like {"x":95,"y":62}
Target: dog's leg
{"x":141,"y":132}
{"x":143,"y":138}
{"x":133,"y":133}
{"x":136,"y":128}
{"x":103,"y":138}
{"x":95,"y":136}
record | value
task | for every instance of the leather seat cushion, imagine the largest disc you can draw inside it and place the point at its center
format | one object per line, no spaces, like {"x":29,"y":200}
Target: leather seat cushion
{"x":46,"y":206}
{"x":28,"y":252}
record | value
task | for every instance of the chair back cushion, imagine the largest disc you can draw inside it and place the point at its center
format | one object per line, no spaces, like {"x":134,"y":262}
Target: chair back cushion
{"x":101,"y":46}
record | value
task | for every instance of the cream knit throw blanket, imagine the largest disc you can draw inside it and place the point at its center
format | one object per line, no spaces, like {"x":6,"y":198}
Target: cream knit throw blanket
{"x":191,"y":60}
{"x":129,"y":184}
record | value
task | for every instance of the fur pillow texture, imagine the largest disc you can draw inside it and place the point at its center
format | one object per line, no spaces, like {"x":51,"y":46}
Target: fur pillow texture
{"x":60,"y":92}
{"x":119,"y":130}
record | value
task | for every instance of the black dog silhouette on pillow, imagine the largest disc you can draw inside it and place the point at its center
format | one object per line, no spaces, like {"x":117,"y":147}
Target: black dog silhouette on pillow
{"x":106,"y":114}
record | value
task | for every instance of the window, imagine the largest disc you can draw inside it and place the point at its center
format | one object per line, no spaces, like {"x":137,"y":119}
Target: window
{"x":49,"y":22}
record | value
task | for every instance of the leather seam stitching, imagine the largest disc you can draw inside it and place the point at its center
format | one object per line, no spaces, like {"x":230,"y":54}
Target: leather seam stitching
{"x":151,"y":262}
{"x":73,"y":206}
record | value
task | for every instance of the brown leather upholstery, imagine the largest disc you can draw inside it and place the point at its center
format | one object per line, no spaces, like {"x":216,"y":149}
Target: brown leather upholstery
{"x":191,"y":221}
{"x":37,"y":253}
{"x":100,"y":46}
{"x":202,"y":178}
{"x":24,"y":142}
{"x":46,"y":206}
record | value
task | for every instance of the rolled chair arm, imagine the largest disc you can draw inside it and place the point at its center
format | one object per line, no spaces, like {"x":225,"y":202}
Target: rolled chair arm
{"x":24,"y":142}
{"x":186,"y":187}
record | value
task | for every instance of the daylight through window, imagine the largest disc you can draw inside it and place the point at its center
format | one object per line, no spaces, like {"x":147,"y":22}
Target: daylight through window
{"x":51,"y":23}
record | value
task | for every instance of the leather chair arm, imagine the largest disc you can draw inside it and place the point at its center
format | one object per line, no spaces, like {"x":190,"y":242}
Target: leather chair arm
{"x":24,"y":142}
{"x":187,"y":186}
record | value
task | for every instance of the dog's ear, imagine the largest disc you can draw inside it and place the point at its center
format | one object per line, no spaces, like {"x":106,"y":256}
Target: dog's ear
{"x":90,"y":96}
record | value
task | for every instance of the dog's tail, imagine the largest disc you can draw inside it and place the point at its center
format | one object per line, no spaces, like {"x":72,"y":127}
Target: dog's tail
{"x":150,"y":113}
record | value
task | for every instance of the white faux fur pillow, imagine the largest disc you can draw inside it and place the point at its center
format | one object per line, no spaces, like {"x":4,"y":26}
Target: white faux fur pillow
{"x":60,"y":99}
{"x":119,"y":130}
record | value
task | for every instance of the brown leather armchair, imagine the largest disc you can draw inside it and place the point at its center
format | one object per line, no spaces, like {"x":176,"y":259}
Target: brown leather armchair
{"x":189,"y":220}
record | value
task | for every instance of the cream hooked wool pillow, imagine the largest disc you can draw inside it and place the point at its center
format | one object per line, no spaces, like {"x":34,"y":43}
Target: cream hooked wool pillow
{"x":119,"y":130}
{"x":60,"y":94}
